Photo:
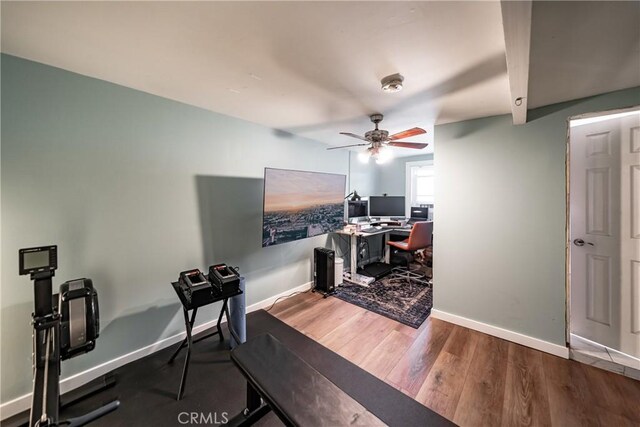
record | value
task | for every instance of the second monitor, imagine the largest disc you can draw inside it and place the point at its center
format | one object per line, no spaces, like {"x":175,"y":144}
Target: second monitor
{"x":387,"y":206}
{"x":358,"y":209}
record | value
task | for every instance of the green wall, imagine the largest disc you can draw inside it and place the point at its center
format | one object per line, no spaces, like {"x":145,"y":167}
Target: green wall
{"x":364,"y":177}
{"x":499,"y":247}
{"x":134,"y":188}
{"x":391,"y":177}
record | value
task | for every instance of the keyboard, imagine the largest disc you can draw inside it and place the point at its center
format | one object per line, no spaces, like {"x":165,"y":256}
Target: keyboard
{"x":389,"y":226}
{"x":370,"y":230}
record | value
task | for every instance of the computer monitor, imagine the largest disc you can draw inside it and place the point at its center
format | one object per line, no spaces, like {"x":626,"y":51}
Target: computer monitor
{"x":358,"y":209}
{"x":387,"y":206}
{"x":419,"y":213}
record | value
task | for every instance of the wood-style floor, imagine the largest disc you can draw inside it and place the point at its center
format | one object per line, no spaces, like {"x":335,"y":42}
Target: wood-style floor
{"x":469,"y":377}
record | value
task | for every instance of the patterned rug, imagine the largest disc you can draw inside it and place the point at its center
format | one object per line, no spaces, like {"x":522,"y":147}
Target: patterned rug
{"x":396,"y":299}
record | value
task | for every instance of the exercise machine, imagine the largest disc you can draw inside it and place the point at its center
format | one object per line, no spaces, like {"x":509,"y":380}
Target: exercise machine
{"x":65,"y":325}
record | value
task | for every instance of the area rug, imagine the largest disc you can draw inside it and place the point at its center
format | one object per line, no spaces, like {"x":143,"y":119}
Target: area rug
{"x":398,"y":300}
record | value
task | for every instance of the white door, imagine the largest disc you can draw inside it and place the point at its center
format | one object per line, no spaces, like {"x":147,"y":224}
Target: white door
{"x":630,"y":232}
{"x":605,"y":232}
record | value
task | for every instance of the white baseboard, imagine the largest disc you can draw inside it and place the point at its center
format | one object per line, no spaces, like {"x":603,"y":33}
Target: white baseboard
{"x":266,"y":303}
{"x":23,"y":403}
{"x":535,"y":343}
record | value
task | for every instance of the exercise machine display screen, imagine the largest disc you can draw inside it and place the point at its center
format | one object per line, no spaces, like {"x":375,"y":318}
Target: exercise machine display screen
{"x":386,"y":206}
{"x":36,"y":260}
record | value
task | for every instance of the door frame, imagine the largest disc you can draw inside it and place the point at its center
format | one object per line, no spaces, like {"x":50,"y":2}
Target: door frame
{"x":567,"y":174}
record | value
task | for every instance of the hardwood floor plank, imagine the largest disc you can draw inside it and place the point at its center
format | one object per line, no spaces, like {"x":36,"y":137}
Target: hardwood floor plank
{"x":469,"y":377}
{"x":571,"y":400}
{"x":526,"y":401}
{"x":630,"y":391}
{"x":348,"y":331}
{"x":382,"y":359}
{"x":482,"y":396}
{"x":462,"y":342}
{"x":305,"y":310}
{"x":606,"y":419}
{"x":413,"y":368}
{"x":297,"y":302}
{"x":411,"y":331}
{"x":359,"y":348}
{"x":300,"y":319}
{"x":443,"y":386}
{"x":615,"y":394}
{"x":332,"y":317}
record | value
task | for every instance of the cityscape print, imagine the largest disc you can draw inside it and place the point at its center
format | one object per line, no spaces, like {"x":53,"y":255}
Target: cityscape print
{"x":300,"y":204}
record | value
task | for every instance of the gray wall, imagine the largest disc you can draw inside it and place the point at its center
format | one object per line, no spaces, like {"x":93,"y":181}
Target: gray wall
{"x":391,"y":177}
{"x":499,"y":238}
{"x":133,"y":189}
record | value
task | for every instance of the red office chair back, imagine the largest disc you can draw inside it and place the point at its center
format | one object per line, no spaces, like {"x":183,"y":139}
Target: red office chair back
{"x":420,"y":236}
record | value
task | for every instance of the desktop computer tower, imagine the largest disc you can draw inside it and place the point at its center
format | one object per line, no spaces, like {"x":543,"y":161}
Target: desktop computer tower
{"x":324,"y":270}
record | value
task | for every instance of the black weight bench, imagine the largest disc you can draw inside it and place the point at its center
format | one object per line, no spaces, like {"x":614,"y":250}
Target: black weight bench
{"x":305,"y":384}
{"x":296,"y":392}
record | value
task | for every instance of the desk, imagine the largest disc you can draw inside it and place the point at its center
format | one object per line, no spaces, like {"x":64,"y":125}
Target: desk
{"x":353,"y":250}
{"x":188,"y":341}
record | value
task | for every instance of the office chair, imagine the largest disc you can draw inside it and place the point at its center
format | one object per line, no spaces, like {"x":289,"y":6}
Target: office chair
{"x":419,"y":238}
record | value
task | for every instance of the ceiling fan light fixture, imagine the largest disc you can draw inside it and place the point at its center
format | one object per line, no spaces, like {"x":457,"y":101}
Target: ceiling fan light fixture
{"x":392,"y":83}
{"x":377,"y":141}
{"x":383,"y":155}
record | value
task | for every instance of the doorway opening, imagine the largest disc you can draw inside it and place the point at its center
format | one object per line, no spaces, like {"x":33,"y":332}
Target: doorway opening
{"x":603,"y":240}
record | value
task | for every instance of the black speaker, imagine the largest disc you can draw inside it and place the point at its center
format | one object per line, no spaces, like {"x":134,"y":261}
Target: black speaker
{"x":324,"y":267}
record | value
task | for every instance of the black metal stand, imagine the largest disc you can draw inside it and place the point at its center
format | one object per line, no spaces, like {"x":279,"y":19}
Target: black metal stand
{"x":46,"y":328}
{"x":255,"y":410}
{"x":189,"y":322}
{"x":93,"y":387}
{"x":93,"y":415}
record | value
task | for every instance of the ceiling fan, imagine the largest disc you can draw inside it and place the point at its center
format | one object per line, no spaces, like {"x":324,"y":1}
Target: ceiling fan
{"x":378,"y":139}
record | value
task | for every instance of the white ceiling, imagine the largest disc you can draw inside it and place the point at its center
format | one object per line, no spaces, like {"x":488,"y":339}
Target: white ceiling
{"x":314,"y":68}
{"x":579,"y":49}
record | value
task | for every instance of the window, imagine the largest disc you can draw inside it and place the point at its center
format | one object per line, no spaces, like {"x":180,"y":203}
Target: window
{"x":420,"y":183}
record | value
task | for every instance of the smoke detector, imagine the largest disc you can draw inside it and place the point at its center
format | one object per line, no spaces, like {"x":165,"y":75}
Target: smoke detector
{"x":392,"y":83}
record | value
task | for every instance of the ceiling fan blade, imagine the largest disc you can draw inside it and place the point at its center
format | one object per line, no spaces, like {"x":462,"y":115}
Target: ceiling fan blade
{"x":345,"y":146}
{"x":404,"y":144}
{"x":353,"y":135}
{"x":407,"y":133}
